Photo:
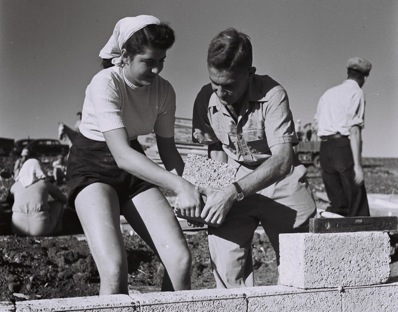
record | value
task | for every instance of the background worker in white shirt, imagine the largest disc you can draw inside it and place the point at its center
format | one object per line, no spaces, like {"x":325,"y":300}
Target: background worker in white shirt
{"x":340,"y":118}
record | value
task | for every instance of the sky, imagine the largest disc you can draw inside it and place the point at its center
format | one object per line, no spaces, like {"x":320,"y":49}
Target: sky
{"x":49,"y":53}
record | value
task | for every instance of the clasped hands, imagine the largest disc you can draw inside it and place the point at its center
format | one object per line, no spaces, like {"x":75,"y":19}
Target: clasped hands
{"x":214,"y":207}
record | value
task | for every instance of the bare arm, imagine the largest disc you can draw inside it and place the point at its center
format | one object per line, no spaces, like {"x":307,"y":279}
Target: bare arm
{"x":56,"y":193}
{"x":169,"y":154}
{"x":216,"y":152}
{"x":219,"y":202}
{"x":142,"y":167}
{"x":356,"y":147}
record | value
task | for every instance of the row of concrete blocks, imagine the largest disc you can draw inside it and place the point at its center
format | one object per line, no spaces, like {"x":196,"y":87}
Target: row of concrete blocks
{"x":379,"y":298}
{"x":318,"y":272}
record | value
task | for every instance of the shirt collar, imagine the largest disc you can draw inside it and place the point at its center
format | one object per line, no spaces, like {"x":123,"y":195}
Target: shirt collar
{"x":128,"y":82}
{"x":352,"y":83}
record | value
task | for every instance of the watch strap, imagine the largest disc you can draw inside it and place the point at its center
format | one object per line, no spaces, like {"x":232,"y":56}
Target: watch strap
{"x":239,"y":190}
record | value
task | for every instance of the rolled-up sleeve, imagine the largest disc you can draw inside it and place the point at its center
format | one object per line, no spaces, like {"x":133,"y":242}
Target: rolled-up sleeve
{"x":356,"y":111}
{"x":278,"y":120}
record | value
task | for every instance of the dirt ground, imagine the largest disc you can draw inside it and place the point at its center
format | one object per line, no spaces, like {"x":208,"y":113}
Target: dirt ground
{"x":61,"y":266}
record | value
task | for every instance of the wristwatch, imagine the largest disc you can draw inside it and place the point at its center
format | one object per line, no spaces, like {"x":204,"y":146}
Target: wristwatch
{"x":239,"y":190}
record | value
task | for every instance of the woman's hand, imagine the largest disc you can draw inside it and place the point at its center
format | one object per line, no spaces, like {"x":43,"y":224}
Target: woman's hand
{"x":190,"y":200}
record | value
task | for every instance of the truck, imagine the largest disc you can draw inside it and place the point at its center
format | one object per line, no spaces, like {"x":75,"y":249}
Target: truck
{"x":308,"y":152}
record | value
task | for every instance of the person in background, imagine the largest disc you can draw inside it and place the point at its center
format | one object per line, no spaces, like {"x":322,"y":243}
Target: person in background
{"x":6,"y":181}
{"x":299,"y":130}
{"x":59,"y":169}
{"x":25,"y":155}
{"x":67,"y":133}
{"x":246,"y":121}
{"x":340,"y":119}
{"x":108,"y":171}
{"x":308,"y":132}
{"x":32,"y":212}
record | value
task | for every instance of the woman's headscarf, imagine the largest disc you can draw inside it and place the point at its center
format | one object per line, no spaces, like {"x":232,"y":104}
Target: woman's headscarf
{"x":124,"y":29}
{"x":30,"y":172}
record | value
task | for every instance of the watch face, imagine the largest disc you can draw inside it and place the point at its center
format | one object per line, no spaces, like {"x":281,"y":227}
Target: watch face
{"x":240,"y":196}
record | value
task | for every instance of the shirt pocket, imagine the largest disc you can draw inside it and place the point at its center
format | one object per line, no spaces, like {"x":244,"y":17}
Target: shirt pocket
{"x":256,"y":140}
{"x":222,"y":132}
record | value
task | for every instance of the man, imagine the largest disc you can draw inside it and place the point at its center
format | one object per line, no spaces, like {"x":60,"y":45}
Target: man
{"x":246,"y":121}
{"x":340,"y":118}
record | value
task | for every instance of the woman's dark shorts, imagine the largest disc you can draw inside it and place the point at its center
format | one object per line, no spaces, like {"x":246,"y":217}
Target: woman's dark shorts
{"x":91,"y":162}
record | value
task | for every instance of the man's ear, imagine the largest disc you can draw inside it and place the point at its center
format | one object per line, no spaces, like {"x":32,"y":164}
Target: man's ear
{"x":252,"y":70}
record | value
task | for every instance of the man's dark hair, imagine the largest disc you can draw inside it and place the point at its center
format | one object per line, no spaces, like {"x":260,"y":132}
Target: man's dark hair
{"x":230,"y":50}
{"x":356,"y":74}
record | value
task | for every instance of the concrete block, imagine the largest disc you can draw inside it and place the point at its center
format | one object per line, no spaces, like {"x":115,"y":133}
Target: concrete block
{"x":118,"y":303}
{"x":205,"y":172}
{"x":286,"y":299}
{"x":309,"y":260}
{"x":6,"y":306}
{"x":380,"y":298}
{"x":209,"y":300}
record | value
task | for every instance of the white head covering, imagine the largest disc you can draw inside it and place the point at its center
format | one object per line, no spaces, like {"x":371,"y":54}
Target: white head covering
{"x":25,"y":152}
{"x":30,"y":172}
{"x":124,"y":29}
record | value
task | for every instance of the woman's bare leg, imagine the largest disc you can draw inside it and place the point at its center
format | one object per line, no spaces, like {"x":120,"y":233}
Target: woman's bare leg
{"x":97,"y":206}
{"x":153,"y":219}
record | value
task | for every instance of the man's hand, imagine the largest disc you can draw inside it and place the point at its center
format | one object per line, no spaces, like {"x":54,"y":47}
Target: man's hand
{"x":358,"y":175}
{"x":218,"y":203}
{"x":356,"y":148}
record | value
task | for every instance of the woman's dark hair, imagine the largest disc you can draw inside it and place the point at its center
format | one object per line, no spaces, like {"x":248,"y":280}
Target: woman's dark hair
{"x":152,"y":36}
{"x":230,"y":50}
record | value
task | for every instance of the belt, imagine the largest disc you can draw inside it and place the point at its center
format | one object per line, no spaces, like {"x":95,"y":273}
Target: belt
{"x":332,"y":137}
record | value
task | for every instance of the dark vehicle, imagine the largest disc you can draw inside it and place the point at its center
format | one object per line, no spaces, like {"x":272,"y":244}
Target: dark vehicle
{"x":46,"y":150}
{"x":308,"y":153}
{"x":19,"y":145}
{"x":6,"y":146}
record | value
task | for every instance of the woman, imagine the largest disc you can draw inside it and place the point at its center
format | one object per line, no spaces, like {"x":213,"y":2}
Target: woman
{"x":108,"y":171}
{"x":25,"y":154}
{"x":32,"y":213}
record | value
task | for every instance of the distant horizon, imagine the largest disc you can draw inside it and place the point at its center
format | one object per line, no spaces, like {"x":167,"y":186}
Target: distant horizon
{"x":176,"y":138}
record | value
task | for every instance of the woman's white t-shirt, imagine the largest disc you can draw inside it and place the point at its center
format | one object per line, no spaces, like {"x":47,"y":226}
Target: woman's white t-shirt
{"x":110,"y":103}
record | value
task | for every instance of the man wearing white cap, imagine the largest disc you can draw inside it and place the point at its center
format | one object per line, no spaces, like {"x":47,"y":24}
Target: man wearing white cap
{"x":340,"y":117}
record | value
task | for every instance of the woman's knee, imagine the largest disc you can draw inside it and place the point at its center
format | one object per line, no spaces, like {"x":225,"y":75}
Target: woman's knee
{"x":185,"y":258}
{"x":181,"y":260}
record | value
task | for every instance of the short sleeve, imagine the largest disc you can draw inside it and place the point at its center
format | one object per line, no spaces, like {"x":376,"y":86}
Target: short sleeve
{"x":356,"y":111}
{"x":105,"y":99}
{"x":202,"y":132}
{"x":278,"y":119}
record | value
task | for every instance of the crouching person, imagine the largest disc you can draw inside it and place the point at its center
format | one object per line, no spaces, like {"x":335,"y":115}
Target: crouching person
{"x":246,"y":121}
{"x":32,"y":212}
